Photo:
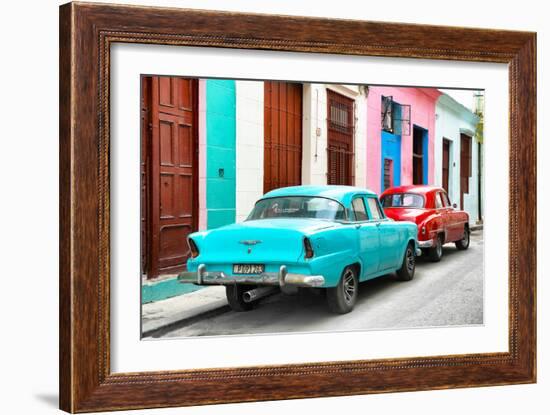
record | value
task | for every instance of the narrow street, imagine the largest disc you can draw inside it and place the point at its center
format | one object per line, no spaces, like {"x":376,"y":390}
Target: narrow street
{"x":441,"y":294}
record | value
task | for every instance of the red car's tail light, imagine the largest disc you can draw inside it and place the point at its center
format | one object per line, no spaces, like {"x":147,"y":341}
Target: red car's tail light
{"x":193,"y":248}
{"x":308,"y":248}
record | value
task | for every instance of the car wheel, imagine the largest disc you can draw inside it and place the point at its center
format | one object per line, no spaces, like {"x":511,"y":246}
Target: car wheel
{"x":464,"y":243}
{"x":406,"y":272}
{"x":234,"y":294}
{"x":436,"y":252}
{"x":343,"y":297}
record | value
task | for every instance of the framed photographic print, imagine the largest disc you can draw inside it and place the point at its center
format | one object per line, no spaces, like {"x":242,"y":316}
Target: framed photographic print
{"x":259,"y":207}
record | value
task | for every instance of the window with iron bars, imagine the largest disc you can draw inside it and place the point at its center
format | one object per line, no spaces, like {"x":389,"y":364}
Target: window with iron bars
{"x":340,"y":139}
{"x":396,"y":118}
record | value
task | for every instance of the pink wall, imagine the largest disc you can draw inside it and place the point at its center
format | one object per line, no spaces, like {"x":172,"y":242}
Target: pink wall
{"x":422,"y":102}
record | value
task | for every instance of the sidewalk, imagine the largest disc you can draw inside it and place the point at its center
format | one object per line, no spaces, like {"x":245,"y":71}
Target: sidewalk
{"x":176,"y":310}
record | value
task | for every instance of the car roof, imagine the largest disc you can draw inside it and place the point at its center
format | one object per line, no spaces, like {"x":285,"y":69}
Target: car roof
{"x":421,"y":189}
{"x":342,"y":194}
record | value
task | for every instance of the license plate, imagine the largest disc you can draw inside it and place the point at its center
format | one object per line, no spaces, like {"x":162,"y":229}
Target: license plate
{"x":248,"y":268}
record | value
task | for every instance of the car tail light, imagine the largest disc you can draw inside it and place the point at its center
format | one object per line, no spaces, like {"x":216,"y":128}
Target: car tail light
{"x":193,"y":248}
{"x":308,"y":248}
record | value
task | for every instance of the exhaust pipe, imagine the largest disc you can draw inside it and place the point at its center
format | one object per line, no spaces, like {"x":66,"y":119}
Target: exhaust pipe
{"x":257,"y":293}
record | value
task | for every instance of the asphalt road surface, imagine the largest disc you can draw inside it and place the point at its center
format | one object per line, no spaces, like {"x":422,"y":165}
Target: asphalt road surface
{"x":447,"y":293}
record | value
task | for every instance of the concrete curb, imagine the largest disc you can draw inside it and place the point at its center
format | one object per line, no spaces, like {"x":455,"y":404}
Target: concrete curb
{"x":477,"y":227}
{"x":168,"y":314}
{"x":171,"y":326}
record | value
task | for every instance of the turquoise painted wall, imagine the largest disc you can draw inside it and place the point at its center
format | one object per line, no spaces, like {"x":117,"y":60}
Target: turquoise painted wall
{"x":220,"y":152}
{"x":161,"y":290}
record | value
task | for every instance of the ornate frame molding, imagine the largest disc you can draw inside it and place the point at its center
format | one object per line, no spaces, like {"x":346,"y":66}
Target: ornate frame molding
{"x":86,"y":33}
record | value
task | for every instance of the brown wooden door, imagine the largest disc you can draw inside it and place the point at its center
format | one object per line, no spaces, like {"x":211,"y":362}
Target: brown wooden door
{"x":446,"y":165}
{"x":172,"y":188}
{"x":282,"y":134}
{"x":340,"y":130}
{"x":465,"y":166}
{"x":144,"y":169}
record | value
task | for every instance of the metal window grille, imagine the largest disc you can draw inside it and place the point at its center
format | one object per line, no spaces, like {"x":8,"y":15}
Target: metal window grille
{"x":388,"y":173}
{"x":387,"y":114}
{"x":395,"y":118}
{"x":402,"y":119}
{"x":341,"y":131}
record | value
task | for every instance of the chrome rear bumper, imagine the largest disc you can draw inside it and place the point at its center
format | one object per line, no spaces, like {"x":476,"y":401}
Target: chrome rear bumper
{"x":425,"y":244}
{"x":281,"y":278}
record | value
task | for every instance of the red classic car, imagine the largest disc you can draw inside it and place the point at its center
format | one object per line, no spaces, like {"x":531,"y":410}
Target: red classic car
{"x":429,"y":207}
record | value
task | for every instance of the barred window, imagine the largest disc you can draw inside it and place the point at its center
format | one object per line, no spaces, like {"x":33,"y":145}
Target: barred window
{"x":396,"y":118}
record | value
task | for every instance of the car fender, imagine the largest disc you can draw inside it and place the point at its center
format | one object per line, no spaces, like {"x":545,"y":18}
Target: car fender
{"x":433,"y":225}
{"x":334,"y":250}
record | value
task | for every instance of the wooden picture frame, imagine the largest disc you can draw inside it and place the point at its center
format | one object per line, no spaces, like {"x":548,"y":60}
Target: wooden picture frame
{"x":86,"y":33}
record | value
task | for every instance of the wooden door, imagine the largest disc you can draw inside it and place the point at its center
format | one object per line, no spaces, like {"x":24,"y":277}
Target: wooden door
{"x":282,"y":134}
{"x":446,"y":165}
{"x":144,"y":170}
{"x":465,"y":166}
{"x":340,"y":130}
{"x":172,"y":188}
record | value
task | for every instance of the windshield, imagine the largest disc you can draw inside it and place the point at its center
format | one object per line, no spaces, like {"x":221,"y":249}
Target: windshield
{"x":298,"y":207}
{"x":406,"y":200}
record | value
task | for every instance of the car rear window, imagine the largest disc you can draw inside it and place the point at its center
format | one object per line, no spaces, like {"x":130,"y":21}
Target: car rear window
{"x":298,"y":207}
{"x":405,"y":200}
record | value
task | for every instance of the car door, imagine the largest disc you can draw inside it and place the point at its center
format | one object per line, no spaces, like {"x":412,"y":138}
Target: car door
{"x":367,"y":236}
{"x":389,"y":250}
{"x":444,"y":214}
{"x":452,"y":225}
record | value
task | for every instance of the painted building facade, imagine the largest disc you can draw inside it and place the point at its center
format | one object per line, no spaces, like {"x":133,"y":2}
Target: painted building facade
{"x":283,"y":134}
{"x":400,"y":136}
{"x":212,"y":147}
{"x":457,"y":163}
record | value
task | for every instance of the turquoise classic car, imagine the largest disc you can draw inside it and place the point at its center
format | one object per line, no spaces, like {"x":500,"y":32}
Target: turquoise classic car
{"x":327,"y":237}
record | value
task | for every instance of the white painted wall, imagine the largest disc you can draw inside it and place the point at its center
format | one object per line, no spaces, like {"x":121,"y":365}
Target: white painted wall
{"x":249,"y":146}
{"x":250,"y":139}
{"x":314,"y":146}
{"x":314,"y":131}
{"x":452,"y":119}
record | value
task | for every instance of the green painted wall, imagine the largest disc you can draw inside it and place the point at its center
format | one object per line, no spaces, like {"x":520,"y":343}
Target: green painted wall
{"x":220,"y":152}
{"x":161,"y":290}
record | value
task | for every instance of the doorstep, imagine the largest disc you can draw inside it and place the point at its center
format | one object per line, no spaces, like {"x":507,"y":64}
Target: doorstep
{"x":164,"y":287}
{"x":164,"y":313}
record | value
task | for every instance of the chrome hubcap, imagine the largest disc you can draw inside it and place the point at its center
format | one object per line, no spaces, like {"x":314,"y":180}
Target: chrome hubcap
{"x":410,"y":260}
{"x":466,"y":238}
{"x":439,"y":247}
{"x":349,"y":286}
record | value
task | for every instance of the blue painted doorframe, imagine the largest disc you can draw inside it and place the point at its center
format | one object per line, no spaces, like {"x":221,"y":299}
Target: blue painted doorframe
{"x":391,"y":149}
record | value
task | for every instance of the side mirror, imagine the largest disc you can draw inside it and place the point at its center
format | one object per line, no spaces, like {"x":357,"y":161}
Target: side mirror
{"x":454,"y":205}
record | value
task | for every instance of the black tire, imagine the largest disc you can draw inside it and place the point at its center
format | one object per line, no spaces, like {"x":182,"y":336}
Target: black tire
{"x":464,"y":243}
{"x":436,"y":252}
{"x":234,"y":294}
{"x":342,"y":298}
{"x":406,"y":272}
